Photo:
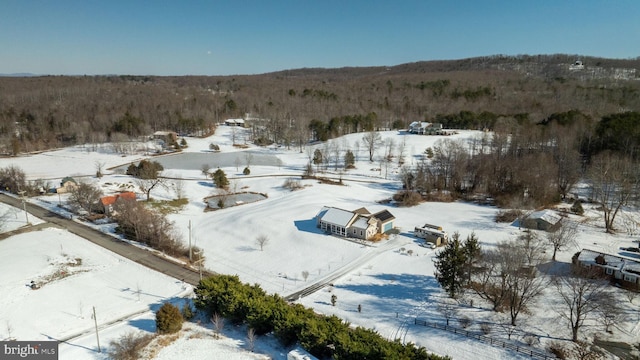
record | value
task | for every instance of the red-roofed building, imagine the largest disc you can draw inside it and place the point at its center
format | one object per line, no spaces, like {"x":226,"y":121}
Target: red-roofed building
{"x":108,"y":201}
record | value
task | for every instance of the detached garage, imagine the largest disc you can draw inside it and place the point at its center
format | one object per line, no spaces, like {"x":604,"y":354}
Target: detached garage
{"x":546,"y":220}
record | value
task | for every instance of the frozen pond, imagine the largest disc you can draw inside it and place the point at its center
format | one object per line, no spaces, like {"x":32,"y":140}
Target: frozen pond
{"x":194,"y":161}
{"x":214,"y":202}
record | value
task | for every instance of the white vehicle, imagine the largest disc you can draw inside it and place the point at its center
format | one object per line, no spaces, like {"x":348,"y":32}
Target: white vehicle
{"x":428,"y":245}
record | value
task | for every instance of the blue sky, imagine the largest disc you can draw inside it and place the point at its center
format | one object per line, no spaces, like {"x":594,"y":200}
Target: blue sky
{"x":256,"y":36}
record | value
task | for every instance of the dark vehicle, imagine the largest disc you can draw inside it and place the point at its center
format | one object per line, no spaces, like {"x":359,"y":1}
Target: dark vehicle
{"x":631,"y":249}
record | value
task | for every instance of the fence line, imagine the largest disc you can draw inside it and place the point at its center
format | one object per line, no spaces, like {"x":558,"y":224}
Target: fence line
{"x":487,"y":339}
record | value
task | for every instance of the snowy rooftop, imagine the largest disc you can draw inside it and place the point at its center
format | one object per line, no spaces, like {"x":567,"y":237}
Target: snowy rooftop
{"x":337,"y":216}
{"x":547,"y":215}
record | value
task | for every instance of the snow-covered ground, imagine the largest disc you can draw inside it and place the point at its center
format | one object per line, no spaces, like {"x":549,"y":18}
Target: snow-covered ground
{"x":392,"y":286}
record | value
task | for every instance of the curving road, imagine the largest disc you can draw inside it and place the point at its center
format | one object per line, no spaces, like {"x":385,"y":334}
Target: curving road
{"x":155,"y":261}
{"x":141,"y":256}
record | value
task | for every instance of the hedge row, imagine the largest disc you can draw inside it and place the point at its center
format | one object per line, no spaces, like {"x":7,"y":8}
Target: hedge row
{"x":323,"y":336}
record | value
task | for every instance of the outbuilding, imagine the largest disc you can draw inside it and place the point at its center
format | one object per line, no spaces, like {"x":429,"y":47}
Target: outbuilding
{"x":546,"y":220}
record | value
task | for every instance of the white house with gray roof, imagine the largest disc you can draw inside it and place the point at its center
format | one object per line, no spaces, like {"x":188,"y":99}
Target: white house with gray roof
{"x":359,"y":223}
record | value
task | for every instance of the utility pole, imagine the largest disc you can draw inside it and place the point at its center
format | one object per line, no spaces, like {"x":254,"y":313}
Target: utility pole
{"x":189,"y":241}
{"x":95,"y":320}
{"x":24,"y":206}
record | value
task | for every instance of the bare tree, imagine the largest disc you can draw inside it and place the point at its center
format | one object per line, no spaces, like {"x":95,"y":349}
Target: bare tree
{"x":508,"y":328}
{"x":86,"y":196}
{"x":507,"y":277}
{"x":147,"y":185}
{"x":178,"y":187}
{"x":218,"y":323}
{"x":205,"y":168}
{"x":614,"y":182}
{"x":402,"y":147}
{"x":562,"y":237}
{"x":99,"y":168}
{"x":581,"y":295}
{"x":371,"y":141}
{"x":532,"y":248}
{"x":447,"y":310}
{"x":9,"y":331}
{"x":251,"y":339}
{"x":248,"y":159}
{"x":305,"y":275}
{"x":262,"y":241}
{"x":582,"y":350}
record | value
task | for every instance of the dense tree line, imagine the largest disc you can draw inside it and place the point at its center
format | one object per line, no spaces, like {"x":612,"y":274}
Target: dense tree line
{"x":45,"y":112}
{"x":323,"y":336}
{"x":529,"y":165}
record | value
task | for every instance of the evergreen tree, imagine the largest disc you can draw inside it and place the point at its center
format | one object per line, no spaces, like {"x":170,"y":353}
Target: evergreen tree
{"x":471,"y":248}
{"x":168,"y":319}
{"x":220,"y":179}
{"x":317,"y":157}
{"x":349,"y":160}
{"x":450,"y":266}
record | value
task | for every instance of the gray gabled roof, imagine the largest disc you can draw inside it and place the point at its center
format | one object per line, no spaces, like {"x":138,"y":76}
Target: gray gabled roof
{"x":546,"y":215}
{"x":361,"y":222}
{"x":337,"y":216}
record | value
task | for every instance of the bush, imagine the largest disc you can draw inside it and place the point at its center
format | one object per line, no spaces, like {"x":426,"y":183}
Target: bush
{"x":187,"y":311}
{"x":128,"y":346}
{"x":508,"y":216}
{"x":246,"y":171}
{"x":214,"y":147}
{"x":464,"y":322}
{"x":168,"y":319}
{"x":576,"y":208}
{"x":323,"y":336}
{"x":485,"y":328}
{"x":407,"y":198}
{"x":292,"y":184}
{"x":558,"y":350}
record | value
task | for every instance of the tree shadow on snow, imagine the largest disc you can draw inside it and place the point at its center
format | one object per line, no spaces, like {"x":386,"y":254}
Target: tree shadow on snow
{"x":206,"y":183}
{"x":397,"y":292}
{"x":144,"y":324}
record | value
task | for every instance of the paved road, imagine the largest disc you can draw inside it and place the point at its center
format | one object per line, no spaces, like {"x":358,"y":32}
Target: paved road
{"x":168,"y":267}
{"x":141,"y":256}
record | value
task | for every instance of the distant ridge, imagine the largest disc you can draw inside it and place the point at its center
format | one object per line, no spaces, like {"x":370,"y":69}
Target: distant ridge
{"x":19,"y":75}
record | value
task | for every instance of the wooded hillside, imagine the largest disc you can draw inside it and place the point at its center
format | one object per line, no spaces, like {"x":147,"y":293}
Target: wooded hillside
{"x":44,"y":112}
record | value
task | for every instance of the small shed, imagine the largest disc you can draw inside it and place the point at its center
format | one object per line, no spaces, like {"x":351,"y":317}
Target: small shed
{"x":546,"y":220}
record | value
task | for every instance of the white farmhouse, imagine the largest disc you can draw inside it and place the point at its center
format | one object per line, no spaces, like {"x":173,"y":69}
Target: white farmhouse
{"x":359,"y":223}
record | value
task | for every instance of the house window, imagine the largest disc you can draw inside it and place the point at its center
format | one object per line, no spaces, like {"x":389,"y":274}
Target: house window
{"x":609,"y":271}
{"x":360,"y":232}
{"x":630,"y":279}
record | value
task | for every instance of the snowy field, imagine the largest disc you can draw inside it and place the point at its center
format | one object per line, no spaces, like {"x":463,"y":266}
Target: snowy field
{"x":393,"y":284}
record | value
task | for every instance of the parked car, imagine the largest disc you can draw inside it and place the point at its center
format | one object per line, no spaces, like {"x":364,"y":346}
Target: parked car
{"x":428,"y":245}
{"x":631,"y":249}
